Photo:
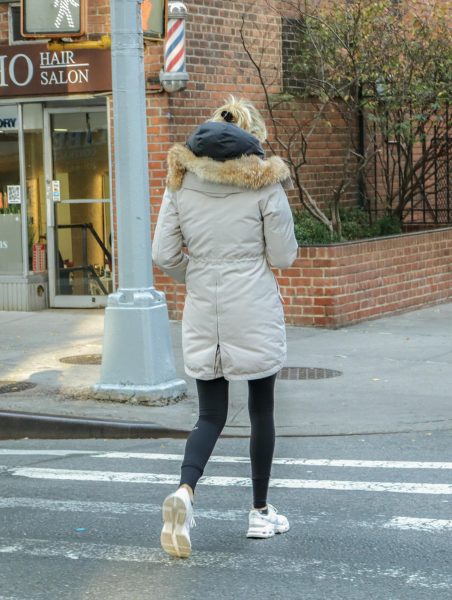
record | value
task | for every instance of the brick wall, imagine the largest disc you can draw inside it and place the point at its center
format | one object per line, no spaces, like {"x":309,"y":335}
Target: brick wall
{"x":331,"y":286}
{"x":346,"y":283}
{"x":4,"y":24}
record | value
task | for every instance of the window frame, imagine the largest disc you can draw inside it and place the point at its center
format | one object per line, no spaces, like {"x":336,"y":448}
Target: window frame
{"x":12,"y":42}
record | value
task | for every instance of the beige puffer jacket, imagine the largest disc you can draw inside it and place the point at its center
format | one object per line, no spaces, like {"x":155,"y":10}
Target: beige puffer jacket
{"x":235,"y":220}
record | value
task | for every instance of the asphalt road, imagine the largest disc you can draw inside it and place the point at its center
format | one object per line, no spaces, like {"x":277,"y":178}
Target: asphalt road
{"x":78,"y":520}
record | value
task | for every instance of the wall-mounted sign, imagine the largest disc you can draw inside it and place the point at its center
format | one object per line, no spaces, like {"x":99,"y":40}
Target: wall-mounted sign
{"x":154,"y":15}
{"x":34,"y":70}
{"x":53,"y":18}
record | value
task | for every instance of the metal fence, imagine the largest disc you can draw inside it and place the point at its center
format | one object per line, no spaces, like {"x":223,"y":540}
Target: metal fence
{"x":423,"y":187}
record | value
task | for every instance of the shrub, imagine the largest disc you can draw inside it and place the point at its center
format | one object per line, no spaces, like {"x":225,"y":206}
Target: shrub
{"x":355,"y":226}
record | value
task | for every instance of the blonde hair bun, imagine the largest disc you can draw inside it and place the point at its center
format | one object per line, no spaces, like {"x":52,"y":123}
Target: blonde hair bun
{"x":244,"y":114}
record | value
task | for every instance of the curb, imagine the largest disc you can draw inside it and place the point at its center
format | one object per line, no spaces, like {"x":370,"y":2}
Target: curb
{"x":16,"y":425}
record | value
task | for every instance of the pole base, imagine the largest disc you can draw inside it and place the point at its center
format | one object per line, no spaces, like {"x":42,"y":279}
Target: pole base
{"x":152,"y":395}
{"x":174,"y":82}
{"x":137,"y":358}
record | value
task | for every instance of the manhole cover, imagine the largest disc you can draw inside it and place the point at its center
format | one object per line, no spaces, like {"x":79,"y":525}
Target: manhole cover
{"x":83,"y":359}
{"x":8,"y":387}
{"x":307,"y":373}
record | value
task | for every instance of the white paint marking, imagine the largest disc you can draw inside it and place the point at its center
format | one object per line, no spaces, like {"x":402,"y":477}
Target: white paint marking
{"x":10,"y":549}
{"x":116,"y":508}
{"x":77,"y":475}
{"x":125,"y":477}
{"x":434,"y":525}
{"x":11,"y":452}
{"x":296,"y":517}
{"x":315,"y":462}
{"x":317,"y":569}
{"x":381,"y":464}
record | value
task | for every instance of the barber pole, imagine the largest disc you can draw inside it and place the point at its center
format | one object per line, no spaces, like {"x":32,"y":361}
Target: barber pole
{"x":174,"y":77}
{"x":175,"y":46}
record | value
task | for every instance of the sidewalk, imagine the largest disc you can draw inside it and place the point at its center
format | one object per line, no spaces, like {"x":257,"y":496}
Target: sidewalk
{"x":397,"y":375}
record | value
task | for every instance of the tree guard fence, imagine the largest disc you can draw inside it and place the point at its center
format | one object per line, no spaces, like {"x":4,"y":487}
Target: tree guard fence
{"x":411,"y":180}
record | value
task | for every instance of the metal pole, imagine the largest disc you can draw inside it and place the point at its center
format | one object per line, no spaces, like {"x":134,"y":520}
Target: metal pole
{"x":137,"y":360}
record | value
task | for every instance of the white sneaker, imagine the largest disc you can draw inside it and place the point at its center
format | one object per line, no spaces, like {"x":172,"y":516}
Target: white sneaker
{"x":266,"y":525}
{"x":177,"y":511}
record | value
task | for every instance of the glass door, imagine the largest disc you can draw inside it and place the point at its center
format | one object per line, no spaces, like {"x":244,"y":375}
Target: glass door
{"x":79,"y":207}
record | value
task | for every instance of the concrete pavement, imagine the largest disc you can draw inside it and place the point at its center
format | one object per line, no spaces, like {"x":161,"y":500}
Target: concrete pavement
{"x":396,"y":376}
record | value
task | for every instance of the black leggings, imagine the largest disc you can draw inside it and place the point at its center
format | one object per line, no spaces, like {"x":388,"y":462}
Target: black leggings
{"x":213,"y":410}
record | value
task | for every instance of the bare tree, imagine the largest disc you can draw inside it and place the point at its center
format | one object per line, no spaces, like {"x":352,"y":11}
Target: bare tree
{"x":384,"y":72}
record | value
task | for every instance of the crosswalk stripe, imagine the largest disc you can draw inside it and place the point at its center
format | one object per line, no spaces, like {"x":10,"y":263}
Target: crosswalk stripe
{"x":318,"y":569}
{"x":20,"y":452}
{"x":116,"y":508}
{"x":314,"y":462}
{"x":419,"y":524}
{"x":125,"y":477}
{"x":297,"y":517}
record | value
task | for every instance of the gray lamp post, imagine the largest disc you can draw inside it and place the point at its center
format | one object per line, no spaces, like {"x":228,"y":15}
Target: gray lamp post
{"x":137,"y":359}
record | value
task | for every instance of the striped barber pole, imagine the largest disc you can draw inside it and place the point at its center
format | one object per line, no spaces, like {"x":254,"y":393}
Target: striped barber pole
{"x":174,"y":76}
{"x":175,"y":46}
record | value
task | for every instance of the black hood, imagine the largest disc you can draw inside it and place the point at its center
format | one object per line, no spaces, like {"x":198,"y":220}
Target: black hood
{"x":223,"y":141}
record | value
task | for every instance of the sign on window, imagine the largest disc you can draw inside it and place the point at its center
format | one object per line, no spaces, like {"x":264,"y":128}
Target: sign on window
{"x":8,"y":116}
{"x":53,"y":18}
{"x":13,"y":192}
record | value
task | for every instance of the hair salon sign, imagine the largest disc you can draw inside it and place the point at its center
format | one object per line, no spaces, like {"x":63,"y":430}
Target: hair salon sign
{"x":33,"y":70}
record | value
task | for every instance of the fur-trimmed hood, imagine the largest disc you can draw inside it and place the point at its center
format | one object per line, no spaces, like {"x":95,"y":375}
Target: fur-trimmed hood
{"x":246,"y":172}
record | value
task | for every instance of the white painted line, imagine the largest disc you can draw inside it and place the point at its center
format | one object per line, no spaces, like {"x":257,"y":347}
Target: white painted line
{"x":14,"y":452}
{"x":320,"y":570}
{"x":314,"y":462}
{"x":125,"y":477}
{"x":116,"y":508}
{"x":64,"y":506}
{"x":434,"y":525}
{"x":297,"y":517}
{"x":123,"y":553}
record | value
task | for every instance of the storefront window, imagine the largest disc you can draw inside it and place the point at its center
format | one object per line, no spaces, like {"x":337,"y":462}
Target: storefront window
{"x":11,"y":261}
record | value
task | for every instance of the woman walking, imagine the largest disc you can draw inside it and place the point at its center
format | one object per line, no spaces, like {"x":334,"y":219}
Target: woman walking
{"x":227,"y":204}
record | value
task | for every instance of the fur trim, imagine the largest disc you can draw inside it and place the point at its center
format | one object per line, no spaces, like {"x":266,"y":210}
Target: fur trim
{"x":247,"y":171}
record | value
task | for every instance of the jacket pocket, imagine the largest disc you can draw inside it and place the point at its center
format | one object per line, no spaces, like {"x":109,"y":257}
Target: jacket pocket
{"x":278,"y":289}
